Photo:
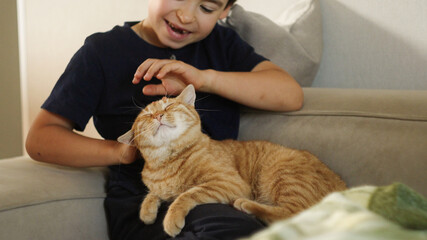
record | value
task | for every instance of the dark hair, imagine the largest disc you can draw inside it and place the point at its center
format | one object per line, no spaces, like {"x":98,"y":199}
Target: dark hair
{"x":230,"y":2}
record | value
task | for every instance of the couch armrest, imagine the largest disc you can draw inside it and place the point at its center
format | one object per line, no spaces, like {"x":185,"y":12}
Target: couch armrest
{"x":367,"y":136}
{"x":43,"y":201}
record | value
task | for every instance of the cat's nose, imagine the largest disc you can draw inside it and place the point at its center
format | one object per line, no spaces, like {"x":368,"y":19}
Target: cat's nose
{"x":158,"y":116}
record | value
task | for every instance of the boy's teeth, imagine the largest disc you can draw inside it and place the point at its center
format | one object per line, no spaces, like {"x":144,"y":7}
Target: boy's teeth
{"x":177,"y":30}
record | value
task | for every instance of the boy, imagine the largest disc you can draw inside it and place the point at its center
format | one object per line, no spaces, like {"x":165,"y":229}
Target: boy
{"x":177,"y":44}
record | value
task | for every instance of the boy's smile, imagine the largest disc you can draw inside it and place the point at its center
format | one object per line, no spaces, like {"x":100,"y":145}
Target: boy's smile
{"x":177,"y":32}
{"x":177,"y":23}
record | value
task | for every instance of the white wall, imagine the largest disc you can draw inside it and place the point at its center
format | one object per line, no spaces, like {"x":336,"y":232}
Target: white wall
{"x":381,"y":43}
{"x":374,"y":44}
{"x":55,"y":30}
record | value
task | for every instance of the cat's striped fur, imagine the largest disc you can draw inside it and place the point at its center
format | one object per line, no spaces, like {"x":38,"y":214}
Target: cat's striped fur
{"x":185,"y":166}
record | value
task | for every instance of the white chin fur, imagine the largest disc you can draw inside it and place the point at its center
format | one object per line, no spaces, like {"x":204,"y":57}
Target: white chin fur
{"x":166,"y":134}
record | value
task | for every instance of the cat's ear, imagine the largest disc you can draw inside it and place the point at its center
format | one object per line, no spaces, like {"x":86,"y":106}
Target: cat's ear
{"x":188,"y":95}
{"x":126,"y":138}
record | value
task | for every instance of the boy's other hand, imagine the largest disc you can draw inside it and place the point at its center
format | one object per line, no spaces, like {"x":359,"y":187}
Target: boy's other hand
{"x":127,"y":153}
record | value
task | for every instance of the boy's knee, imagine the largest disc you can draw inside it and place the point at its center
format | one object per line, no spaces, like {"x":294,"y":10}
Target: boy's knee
{"x":218,"y":221}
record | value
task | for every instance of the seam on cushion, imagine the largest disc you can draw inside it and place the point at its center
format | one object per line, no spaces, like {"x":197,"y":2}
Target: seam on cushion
{"x":41,"y":202}
{"x":349,"y":114}
{"x":363,"y":115}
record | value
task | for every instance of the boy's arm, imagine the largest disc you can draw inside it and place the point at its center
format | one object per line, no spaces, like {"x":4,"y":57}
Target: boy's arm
{"x":51,"y":139}
{"x":267,"y":86}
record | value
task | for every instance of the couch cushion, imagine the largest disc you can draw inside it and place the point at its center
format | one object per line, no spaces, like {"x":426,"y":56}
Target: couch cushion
{"x":368,"y":103}
{"x":43,"y":201}
{"x":373,"y":137}
{"x":293,"y":41}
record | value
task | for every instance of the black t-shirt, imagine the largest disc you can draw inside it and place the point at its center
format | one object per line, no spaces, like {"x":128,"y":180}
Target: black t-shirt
{"x":98,"y":82}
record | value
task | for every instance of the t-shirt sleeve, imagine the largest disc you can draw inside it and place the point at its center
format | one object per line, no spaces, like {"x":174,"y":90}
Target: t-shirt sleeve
{"x":242,"y":56}
{"x":77,"y":92}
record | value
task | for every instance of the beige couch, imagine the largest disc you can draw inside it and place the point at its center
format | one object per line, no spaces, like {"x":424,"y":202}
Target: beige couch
{"x":374,"y":137}
{"x":371,"y":137}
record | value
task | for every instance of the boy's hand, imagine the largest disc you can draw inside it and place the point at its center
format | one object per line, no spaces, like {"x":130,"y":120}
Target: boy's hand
{"x":127,"y":153}
{"x":175,"y":76}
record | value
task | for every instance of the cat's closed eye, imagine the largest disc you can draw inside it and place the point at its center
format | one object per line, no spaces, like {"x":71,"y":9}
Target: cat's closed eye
{"x":145,"y":114}
{"x":169,"y":106}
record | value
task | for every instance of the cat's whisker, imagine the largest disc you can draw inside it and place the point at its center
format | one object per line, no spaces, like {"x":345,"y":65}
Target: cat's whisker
{"x":203,"y":98}
{"x":131,"y":109}
{"x":168,"y":95}
{"x":136,"y":104}
{"x":208,"y":110}
{"x":136,"y":136}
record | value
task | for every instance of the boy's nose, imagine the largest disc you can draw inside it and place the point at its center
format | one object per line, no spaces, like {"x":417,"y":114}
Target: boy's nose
{"x":185,"y":16}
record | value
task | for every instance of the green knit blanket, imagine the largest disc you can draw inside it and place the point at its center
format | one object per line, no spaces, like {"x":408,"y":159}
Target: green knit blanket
{"x":400,"y":204}
{"x":391,"y":212}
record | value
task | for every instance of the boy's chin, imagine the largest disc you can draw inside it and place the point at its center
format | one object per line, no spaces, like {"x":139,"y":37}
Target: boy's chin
{"x":180,"y":44}
{"x":177,"y":45}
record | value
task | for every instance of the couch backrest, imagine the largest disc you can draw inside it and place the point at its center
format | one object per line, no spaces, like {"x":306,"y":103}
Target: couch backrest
{"x":367,"y":136}
{"x":367,"y":44}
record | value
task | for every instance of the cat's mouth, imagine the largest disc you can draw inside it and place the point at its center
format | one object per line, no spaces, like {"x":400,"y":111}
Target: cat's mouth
{"x":163,"y":126}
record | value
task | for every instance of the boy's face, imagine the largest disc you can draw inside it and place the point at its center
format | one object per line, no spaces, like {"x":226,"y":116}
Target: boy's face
{"x":177,"y":23}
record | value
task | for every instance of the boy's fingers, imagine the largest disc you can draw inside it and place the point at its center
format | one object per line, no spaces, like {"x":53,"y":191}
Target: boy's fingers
{"x":154,"y":89}
{"x":155,"y":65}
{"x":136,"y":79}
{"x":141,"y":71}
{"x":138,"y":75}
{"x":170,"y":67}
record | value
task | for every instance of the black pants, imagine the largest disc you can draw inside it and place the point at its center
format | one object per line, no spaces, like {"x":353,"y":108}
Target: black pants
{"x":208,"y":221}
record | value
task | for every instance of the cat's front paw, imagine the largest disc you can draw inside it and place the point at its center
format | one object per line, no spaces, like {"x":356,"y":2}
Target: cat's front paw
{"x":174,"y":222}
{"x":148,"y":213}
{"x":149,"y":208}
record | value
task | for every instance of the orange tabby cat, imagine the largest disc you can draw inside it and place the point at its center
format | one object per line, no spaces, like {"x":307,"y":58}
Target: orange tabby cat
{"x":185,"y":166}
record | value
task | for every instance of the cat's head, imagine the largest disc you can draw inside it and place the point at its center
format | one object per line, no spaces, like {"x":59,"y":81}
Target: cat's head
{"x":165,"y":121}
